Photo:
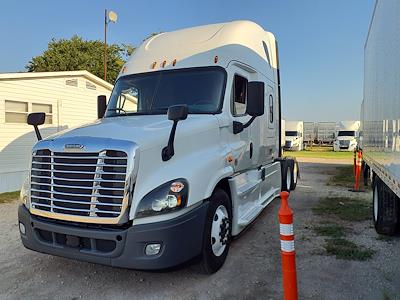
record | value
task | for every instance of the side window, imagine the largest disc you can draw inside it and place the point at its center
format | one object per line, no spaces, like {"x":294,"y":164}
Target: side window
{"x":266,"y":53}
{"x":239,"y":94}
{"x":271,"y":109}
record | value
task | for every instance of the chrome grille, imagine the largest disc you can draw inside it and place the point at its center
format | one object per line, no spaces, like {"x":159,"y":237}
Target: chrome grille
{"x":88,"y":184}
{"x":344,"y":143}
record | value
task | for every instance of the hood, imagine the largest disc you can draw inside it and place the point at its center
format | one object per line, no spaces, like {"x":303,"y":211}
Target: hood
{"x":147,"y":131}
{"x":345,"y":138}
{"x":291,"y":138}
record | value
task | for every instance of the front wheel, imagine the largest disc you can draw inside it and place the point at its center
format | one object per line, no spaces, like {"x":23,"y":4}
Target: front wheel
{"x":217,"y":232}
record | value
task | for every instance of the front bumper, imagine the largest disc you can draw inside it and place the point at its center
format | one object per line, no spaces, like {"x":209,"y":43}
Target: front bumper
{"x":181,"y":239}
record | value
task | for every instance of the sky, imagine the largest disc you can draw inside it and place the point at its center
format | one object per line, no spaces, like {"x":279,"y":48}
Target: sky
{"x":321,"y":42}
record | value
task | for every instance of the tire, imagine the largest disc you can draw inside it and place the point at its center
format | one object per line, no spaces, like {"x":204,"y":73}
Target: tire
{"x":365,"y":173}
{"x":218,"y":224}
{"x":385,"y":208}
{"x":286,"y":175}
{"x":294,"y":168}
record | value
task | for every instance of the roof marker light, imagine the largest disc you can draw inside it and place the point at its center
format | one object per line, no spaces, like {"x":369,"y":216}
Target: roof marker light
{"x":163,"y":63}
{"x":153,"y":65}
{"x":174,"y":62}
{"x":216,"y":59}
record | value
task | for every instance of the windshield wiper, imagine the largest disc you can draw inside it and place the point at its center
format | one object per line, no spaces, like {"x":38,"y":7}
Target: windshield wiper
{"x":117,"y":109}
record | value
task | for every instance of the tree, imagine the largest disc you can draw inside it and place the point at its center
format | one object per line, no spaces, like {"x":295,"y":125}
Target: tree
{"x":77,"y":54}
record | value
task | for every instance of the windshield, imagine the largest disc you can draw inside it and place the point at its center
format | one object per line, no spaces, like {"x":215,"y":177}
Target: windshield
{"x":347,"y":133}
{"x":291,"y":133}
{"x":201,"y":89}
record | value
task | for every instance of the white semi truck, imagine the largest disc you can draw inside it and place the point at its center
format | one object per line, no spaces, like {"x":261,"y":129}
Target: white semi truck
{"x":346,"y":136}
{"x":294,"y":135}
{"x":380,"y":115}
{"x":185,"y":155}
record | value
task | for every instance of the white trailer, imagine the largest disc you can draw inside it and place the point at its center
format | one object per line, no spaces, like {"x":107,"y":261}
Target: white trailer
{"x":326,"y":132}
{"x":346,"y":136}
{"x":309,"y":133}
{"x":294,"y":135}
{"x":185,"y":155}
{"x":380,"y":114}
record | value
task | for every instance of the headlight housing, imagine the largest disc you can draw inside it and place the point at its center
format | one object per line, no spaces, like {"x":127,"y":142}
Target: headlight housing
{"x":24,"y":194}
{"x":169,"y":197}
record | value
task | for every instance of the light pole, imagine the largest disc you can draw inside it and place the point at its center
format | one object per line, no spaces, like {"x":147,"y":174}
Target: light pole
{"x":109,"y":16}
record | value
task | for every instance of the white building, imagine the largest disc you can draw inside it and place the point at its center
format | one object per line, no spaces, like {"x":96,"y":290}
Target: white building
{"x":68,"y":98}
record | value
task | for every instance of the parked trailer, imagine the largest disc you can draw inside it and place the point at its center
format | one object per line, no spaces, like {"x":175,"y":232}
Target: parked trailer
{"x":347,"y":133}
{"x":185,"y":155}
{"x":325,"y":132}
{"x":309,"y":132}
{"x":380,"y":114}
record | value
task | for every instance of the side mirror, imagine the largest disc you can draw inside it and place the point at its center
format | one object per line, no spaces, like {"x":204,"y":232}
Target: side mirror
{"x":175,"y":113}
{"x":36,"y":119}
{"x":255,"y":104}
{"x":255,"y":98}
{"x":101,"y":106}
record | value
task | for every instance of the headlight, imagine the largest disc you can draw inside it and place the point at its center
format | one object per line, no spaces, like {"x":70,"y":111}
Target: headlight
{"x":24,"y":194}
{"x":166,"y":198}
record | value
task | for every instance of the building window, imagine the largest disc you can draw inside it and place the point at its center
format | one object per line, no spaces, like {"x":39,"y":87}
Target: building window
{"x":239,"y":93}
{"x":46,"y":108}
{"x":16,"y":112}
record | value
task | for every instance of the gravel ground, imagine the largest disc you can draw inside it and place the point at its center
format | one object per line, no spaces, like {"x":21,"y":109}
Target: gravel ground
{"x":252,"y":270}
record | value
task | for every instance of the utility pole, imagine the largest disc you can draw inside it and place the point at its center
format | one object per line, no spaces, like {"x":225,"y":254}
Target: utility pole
{"x":109,"y":16}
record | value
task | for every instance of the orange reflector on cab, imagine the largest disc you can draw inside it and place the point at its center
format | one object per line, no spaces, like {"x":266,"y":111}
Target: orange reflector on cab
{"x":216,"y":59}
{"x":153,"y":65}
{"x":174,"y":62}
{"x":163,"y":63}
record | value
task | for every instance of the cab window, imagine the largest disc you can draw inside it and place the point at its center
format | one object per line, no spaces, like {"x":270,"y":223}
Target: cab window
{"x":239,"y":95}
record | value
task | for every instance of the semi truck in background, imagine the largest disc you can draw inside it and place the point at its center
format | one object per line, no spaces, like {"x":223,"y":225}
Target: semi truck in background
{"x":185,"y":155}
{"x":380,"y":115}
{"x":294,"y":135}
{"x":347,"y":133}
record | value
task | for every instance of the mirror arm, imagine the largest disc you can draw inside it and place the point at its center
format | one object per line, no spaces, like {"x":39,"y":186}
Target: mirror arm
{"x":239,"y":127}
{"x":38,"y":135}
{"x":168,"y":151}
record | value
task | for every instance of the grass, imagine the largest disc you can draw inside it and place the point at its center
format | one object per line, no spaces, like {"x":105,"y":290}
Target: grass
{"x":345,"y":249}
{"x":8,"y":197}
{"x":344,"y":176}
{"x":330,"y":230}
{"x":345,"y":208}
{"x":325,"y":152}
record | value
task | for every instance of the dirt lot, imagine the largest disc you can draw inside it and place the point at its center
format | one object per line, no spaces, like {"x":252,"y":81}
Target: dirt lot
{"x":370,"y":270}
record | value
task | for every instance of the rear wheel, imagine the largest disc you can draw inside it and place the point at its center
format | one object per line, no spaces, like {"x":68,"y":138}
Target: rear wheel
{"x":217,"y":232}
{"x":286,"y":175}
{"x":295,"y":174}
{"x":385,"y":205}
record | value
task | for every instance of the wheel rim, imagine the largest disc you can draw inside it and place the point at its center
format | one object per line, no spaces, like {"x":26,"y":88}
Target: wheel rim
{"x":376,"y":203}
{"x":288,"y":179}
{"x":219,"y":230}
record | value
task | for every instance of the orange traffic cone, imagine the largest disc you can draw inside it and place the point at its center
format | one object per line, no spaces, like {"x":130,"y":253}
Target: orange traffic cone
{"x":287,"y":249}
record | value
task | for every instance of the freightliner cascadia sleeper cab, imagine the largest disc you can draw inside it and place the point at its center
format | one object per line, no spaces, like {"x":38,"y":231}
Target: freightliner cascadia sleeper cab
{"x":184,"y":156}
